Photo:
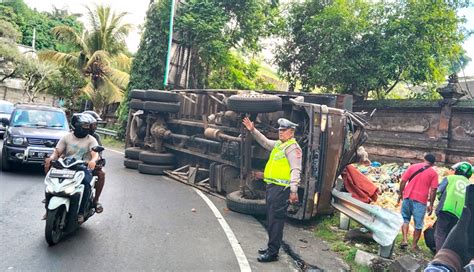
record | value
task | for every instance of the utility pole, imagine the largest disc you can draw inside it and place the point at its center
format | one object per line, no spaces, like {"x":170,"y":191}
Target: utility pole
{"x":34,"y":39}
{"x":170,"y":43}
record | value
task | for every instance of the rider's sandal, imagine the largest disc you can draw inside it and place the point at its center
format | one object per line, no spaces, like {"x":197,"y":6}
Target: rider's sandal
{"x":99,"y":208}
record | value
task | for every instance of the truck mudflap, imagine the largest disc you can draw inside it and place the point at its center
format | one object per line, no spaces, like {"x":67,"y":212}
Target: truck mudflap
{"x":383,"y":224}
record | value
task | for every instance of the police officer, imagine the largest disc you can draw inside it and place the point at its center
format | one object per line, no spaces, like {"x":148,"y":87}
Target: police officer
{"x":282,"y":175}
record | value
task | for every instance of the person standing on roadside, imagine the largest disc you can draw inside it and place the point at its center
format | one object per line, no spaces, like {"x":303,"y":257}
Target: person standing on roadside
{"x":282,"y":175}
{"x":419,"y":183}
{"x":452,"y":192}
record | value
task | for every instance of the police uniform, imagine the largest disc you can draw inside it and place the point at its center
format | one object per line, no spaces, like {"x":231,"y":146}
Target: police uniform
{"x":282,"y":175}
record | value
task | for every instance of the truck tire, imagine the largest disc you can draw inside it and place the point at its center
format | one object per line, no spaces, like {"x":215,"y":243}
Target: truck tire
{"x":161,"y":96}
{"x":254,"y":103}
{"x":136,"y":104}
{"x":131,"y":164}
{"x":137,"y":94}
{"x":133,"y":153}
{"x":157,"y":158}
{"x":153,"y":169}
{"x":161,"y":106}
{"x":237,"y":203}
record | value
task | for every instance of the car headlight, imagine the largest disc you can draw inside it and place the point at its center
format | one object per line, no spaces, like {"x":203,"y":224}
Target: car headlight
{"x":17,"y":140}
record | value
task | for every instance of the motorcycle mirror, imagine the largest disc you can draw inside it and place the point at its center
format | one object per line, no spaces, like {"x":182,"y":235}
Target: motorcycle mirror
{"x":98,"y":149}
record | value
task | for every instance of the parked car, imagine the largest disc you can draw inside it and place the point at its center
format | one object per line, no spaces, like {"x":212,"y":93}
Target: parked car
{"x":31,"y":134}
{"x":6,"y":109}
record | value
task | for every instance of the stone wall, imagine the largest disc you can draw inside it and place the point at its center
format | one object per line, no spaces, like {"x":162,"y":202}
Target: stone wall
{"x":404,"y":130}
{"x":12,"y":91}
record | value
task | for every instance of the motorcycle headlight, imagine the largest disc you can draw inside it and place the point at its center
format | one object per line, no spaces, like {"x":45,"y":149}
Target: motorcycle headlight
{"x":70,"y":189}
{"x":78,"y":177}
{"x":49,"y":189}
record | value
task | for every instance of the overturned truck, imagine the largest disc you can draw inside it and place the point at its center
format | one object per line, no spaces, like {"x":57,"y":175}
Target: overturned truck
{"x":197,"y":137}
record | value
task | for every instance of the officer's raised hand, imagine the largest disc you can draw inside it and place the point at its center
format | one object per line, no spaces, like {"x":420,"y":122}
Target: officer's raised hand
{"x":248,"y":124}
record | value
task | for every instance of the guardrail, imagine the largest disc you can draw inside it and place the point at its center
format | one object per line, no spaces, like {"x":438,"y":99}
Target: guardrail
{"x":107,"y":132}
{"x":382,"y":223}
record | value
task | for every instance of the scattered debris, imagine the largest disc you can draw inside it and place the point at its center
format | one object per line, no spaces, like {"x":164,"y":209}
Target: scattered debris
{"x":364,"y":258}
{"x":405,"y":263}
{"x":387,"y":178}
{"x":130,"y":215}
{"x":193,"y":210}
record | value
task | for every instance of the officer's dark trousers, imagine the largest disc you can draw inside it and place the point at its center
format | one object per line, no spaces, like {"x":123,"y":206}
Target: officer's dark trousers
{"x":277,"y":205}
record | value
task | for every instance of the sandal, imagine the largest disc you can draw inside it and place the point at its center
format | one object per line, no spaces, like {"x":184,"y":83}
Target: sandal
{"x":403,"y":245}
{"x":99,"y":208}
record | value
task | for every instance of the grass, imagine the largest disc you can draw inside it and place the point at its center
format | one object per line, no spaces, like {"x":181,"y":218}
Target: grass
{"x":327,"y":228}
{"x":112,"y":143}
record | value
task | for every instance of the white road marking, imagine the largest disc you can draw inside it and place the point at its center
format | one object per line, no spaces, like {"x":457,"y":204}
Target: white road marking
{"x":239,"y":253}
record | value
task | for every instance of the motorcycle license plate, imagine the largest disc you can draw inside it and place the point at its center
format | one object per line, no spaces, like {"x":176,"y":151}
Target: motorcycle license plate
{"x":62,"y":173}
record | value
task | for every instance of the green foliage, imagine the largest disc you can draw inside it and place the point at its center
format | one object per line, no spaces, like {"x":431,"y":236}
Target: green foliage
{"x":9,"y":31}
{"x":26,"y":19}
{"x":99,"y":56}
{"x":235,"y":73}
{"x":67,"y":85}
{"x":360,"y":46}
{"x":209,"y":29}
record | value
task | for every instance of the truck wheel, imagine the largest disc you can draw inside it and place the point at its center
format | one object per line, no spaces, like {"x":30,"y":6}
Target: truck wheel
{"x":237,"y":203}
{"x":133,"y":153}
{"x":162,"y":96}
{"x":161,"y":106}
{"x":254,"y":103}
{"x":137,"y":94}
{"x":6,"y":165}
{"x":53,"y":232}
{"x":153,"y":169}
{"x":136,"y":104}
{"x":157,"y":158}
{"x":131,"y":164}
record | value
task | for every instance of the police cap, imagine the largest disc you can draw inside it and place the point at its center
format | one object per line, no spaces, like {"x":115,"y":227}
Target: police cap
{"x":285,"y":123}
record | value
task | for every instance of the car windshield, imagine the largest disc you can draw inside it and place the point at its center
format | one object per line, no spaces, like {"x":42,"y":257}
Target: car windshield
{"x":39,"y":118}
{"x":6,"y":108}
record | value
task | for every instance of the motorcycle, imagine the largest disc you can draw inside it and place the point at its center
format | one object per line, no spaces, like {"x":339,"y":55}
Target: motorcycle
{"x":64,"y":189}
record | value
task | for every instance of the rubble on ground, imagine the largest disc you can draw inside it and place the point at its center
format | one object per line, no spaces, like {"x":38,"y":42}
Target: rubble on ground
{"x":387,"y":177}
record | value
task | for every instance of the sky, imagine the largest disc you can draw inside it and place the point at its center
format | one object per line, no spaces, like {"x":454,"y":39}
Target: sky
{"x":137,"y":11}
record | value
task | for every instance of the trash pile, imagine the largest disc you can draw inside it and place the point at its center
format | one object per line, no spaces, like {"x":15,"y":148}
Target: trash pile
{"x":387,"y":178}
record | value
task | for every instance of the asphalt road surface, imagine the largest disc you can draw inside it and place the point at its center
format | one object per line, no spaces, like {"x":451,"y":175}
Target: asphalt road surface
{"x":148,"y":223}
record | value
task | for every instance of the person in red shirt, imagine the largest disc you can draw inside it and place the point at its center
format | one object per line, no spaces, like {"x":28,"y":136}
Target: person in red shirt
{"x":419,"y":182}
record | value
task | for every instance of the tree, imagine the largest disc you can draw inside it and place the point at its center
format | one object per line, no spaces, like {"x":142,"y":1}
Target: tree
{"x":38,"y":77}
{"x":100,"y":55}
{"x":28,"y":20}
{"x":11,"y":60}
{"x":358,"y":46}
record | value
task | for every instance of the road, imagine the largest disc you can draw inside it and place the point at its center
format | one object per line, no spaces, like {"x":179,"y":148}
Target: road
{"x":148,"y":223}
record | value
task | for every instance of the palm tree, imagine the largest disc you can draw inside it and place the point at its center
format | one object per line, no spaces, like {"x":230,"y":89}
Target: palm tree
{"x":100,"y":56}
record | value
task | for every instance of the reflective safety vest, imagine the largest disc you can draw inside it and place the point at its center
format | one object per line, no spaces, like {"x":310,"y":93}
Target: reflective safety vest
{"x":277,"y":170}
{"x":455,"y":194}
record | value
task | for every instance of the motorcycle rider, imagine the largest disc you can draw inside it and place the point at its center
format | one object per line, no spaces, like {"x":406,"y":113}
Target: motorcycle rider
{"x":98,"y":171}
{"x":78,"y":144}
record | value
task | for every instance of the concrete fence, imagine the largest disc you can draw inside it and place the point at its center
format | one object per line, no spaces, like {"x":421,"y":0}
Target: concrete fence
{"x":404,"y":130}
